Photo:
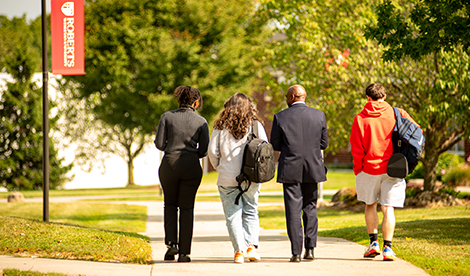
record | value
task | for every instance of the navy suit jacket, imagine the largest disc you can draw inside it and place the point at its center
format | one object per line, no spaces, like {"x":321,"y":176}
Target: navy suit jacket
{"x":299,"y":133}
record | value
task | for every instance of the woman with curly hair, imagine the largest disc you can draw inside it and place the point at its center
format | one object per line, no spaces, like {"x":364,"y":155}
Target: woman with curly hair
{"x":184,"y":136}
{"x":226,"y":148}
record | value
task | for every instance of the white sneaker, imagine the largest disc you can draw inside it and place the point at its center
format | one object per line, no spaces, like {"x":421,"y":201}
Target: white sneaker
{"x":253,"y":254}
{"x":388,"y":253}
{"x":372,"y":251}
{"x":239,"y":258}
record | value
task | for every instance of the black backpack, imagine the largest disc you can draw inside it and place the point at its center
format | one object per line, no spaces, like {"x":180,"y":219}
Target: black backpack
{"x":258,"y":161}
{"x":408,"y":145}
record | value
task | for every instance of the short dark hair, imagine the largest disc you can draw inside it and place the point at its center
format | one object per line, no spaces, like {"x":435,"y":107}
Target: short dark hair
{"x":187,"y":95}
{"x":376,"y":91}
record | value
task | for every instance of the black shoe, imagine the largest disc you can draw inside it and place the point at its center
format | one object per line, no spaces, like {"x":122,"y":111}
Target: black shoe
{"x":309,"y":254}
{"x":171,"y":252}
{"x":184,"y":258}
{"x":295,"y":259}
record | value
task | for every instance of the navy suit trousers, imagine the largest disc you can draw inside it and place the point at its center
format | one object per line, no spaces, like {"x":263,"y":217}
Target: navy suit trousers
{"x":300,"y":200}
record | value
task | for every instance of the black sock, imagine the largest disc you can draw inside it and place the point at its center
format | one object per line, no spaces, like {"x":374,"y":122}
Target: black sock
{"x":388,"y":243}
{"x":373,"y":237}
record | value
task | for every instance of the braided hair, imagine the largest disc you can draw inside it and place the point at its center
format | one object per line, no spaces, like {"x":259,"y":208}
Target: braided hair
{"x":187,"y":95}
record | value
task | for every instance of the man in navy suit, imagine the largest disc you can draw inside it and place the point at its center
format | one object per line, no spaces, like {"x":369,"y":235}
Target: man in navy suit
{"x":299,"y":133}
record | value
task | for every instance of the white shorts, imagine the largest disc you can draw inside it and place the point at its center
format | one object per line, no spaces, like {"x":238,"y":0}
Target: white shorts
{"x":389,"y":191}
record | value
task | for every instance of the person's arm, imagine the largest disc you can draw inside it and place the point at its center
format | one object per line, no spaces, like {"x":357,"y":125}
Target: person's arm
{"x":357,"y":149}
{"x":203,"y":140}
{"x":214,"y":149}
{"x":324,"y":134}
{"x":161,"y":137}
{"x":276,"y":135}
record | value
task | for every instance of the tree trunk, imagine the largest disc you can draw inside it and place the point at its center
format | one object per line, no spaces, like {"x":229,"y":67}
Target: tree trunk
{"x":130,"y":172}
{"x":430,"y":159}
{"x":430,"y":175}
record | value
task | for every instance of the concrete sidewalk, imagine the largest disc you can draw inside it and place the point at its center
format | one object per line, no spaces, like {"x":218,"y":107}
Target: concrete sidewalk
{"x":212,"y":254}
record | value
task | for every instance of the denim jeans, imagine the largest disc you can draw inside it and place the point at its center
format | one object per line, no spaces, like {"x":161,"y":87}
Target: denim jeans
{"x":242,"y":219}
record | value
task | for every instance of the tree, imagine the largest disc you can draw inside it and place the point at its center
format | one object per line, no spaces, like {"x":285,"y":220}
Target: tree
{"x":320,"y":45}
{"x":428,"y":44}
{"x":21,"y":112}
{"x":138,"y":52}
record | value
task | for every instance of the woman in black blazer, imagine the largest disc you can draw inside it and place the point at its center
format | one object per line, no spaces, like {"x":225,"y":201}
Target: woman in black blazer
{"x":184,"y":137}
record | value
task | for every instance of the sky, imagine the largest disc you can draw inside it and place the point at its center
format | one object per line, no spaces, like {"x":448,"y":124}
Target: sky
{"x":16,"y":8}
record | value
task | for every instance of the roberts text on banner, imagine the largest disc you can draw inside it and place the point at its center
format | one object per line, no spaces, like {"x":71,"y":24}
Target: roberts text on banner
{"x":68,"y":37}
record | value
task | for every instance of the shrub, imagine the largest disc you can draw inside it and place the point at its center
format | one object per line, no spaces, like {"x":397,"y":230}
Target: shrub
{"x":446,"y":161}
{"x":417,"y":173}
{"x":411,"y":192}
{"x":457,"y":176}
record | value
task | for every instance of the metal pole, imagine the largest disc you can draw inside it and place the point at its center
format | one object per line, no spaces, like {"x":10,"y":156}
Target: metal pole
{"x":45,"y":118}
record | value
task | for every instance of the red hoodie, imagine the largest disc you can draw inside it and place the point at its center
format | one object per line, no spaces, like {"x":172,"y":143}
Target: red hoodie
{"x":371,"y":137}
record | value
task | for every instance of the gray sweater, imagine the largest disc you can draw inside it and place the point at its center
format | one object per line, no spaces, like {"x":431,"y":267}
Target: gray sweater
{"x":182,"y":130}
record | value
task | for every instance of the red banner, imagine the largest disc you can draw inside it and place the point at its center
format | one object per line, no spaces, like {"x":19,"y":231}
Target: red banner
{"x":68,"y":37}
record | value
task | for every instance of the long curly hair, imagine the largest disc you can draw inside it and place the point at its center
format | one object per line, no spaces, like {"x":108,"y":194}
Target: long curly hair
{"x":187,"y":95}
{"x":237,"y":115}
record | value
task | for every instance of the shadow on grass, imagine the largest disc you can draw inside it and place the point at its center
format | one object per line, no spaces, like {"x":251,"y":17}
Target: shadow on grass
{"x":451,"y":231}
{"x":129,"y":234}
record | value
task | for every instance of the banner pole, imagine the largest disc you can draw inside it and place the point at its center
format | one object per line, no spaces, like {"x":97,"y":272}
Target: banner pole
{"x":45,"y":117}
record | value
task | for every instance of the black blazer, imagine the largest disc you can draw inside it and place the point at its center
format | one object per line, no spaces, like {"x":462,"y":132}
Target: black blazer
{"x":300,"y":134}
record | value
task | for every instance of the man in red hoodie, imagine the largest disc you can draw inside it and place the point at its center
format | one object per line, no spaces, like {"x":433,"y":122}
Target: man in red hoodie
{"x":371,"y":148}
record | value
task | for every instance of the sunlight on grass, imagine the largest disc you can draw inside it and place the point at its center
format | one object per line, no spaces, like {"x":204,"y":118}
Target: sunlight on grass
{"x":435,"y":239}
{"x":115,"y":217}
{"x":338,"y":180}
{"x":16,"y":272}
{"x":27,"y":237}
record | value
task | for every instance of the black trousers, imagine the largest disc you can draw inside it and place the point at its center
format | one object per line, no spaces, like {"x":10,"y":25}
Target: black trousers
{"x":300,"y":200}
{"x":180,"y":177}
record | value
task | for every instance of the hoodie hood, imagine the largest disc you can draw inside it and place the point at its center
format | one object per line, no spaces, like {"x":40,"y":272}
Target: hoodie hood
{"x":375,"y":108}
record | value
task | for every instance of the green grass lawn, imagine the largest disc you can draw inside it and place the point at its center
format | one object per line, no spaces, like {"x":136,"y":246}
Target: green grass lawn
{"x":114,"y":217}
{"x":27,"y":237}
{"x":134,"y":190}
{"x":85,"y":231}
{"x":16,"y":272}
{"x":435,"y":239}
{"x":336,"y":180}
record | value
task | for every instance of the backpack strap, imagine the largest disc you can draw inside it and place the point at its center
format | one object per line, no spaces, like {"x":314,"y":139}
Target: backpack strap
{"x":254,"y":128}
{"x":241,"y":177}
{"x":397,"y":119}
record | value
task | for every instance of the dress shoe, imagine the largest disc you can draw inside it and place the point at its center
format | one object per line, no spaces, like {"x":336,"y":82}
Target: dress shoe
{"x":295,"y":259}
{"x":309,"y":254}
{"x":184,"y":258}
{"x":171,"y":252}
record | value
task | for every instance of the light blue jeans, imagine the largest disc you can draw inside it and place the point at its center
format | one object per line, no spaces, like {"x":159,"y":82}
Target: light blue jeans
{"x":242,"y":220}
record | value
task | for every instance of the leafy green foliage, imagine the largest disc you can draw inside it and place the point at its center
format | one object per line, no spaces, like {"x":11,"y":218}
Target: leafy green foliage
{"x":321,"y":46}
{"x":445,"y":163}
{"x":457,"y":175}
{"x":21,"y":112}
{"x":137,"y":52}
{"x":418,"y":28}
{"x":429,"y":47}
{"x":17,"y":31}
